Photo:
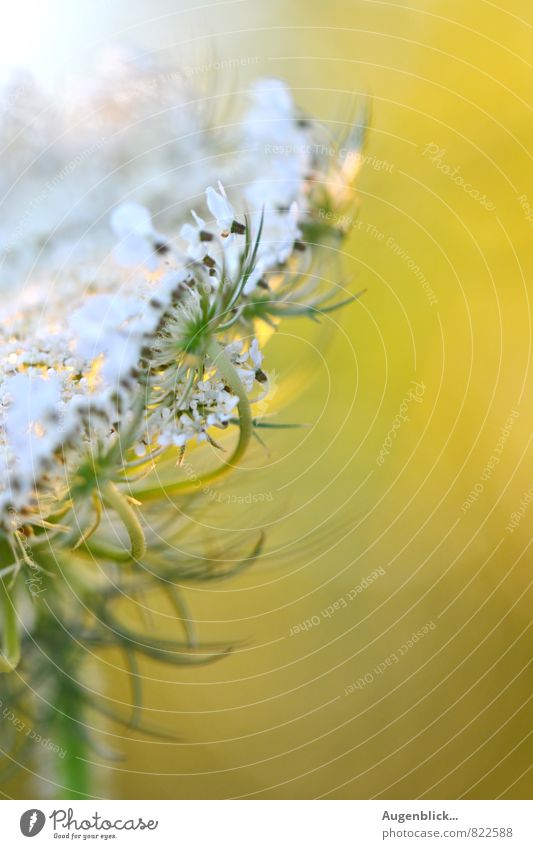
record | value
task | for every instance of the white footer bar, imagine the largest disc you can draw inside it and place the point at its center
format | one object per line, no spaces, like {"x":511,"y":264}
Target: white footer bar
{"x":268,"y":824}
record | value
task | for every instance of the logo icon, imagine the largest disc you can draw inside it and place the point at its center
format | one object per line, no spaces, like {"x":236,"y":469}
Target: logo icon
{"x":32,"y":822}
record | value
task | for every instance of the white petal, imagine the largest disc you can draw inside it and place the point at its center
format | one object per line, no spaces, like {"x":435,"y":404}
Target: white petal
{"x":200,"y":223}
{"x":135,"y":250}
{"x":131,"y":218}
{"x":220,"y":208}
{"x":255,"y":354}
{"x":273,"y":96}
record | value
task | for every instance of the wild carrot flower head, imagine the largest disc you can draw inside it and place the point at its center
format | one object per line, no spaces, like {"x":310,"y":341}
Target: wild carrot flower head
{"x":123,"y":351}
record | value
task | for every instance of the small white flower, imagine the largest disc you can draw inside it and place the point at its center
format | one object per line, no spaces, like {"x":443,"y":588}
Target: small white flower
{"x":32,"y":403}
{"x":197,"y":237}
{"x":280,"y":232}
{"x":131,"y":218}
{"x":273,"y":96}
{"x":139,"y":241}
{"x":272,"y":111}
{"x":220,"y":208}
{"x":247,"y":360}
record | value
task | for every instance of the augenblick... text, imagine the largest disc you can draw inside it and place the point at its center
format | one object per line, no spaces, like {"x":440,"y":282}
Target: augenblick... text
{"x":419,"y":815}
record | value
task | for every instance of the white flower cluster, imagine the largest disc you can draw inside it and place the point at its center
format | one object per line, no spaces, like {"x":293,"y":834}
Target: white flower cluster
{"x":125,"y":342}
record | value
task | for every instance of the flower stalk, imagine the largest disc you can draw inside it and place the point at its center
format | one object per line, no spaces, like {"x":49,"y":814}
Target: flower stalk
{"x":123,"y":507}
{"x":74,"y":777}
{"x":10,"y":652}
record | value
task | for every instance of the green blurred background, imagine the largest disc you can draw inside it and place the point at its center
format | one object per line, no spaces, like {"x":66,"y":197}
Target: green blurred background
{"x":448,"y":718}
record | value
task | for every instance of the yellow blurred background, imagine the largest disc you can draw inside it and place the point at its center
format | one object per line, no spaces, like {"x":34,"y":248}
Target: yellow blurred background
{"x":393,"y":514}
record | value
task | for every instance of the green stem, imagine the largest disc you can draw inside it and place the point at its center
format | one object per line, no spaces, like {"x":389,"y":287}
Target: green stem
{"x":229,"y":373}
{"x":101,"y":551}
{"x":75,"y":778}
{"x":118,"y":502}
{"x":10,"y":653}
